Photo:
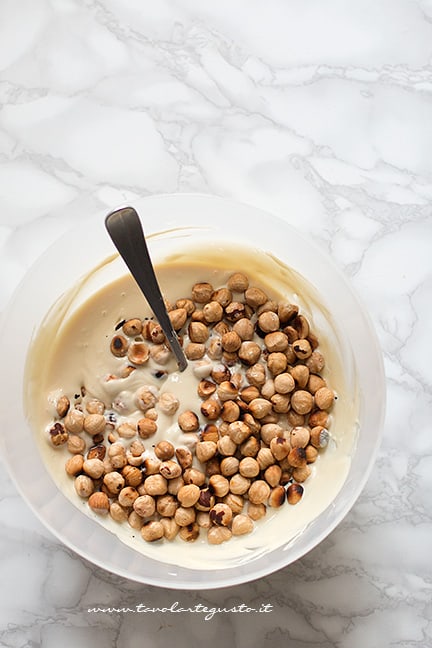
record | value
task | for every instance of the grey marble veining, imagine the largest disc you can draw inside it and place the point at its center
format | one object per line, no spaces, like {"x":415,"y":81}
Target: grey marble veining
{"x":319,"y":112}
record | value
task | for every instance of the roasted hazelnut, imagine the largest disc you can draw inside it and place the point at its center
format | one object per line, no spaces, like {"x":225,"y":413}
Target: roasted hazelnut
{"x":188,"y":421}
{"x":302,"y":401}
{"x":249,"y":352}
{"x":294,"y":493}
{"x":146,"y":428}
{"x":127,"y":496}
{"x":234,"y":311}
{"x":238,"y":282}
{"x":166,"y":505}
{"x":117,"y":512}
{"x":146,"y":397}
{"x":74,"y":465}
{"x":280,"y":403}
{"x":318,"y":417}
{"x":300,"y":374}
{"x":238,"y":431}
{"x":259,"y":407}
{"x":221,"y":514}
{"x":294,"y":419}
{"x":170,"y":469}
{"x":138,"y":353}
{"x":84,"y":486}
{"x":187,"y":304}
{"x":168,"y":403}
{"x":214,"y":350}
{"x":94,"y":468}
{"x":259,"y":492}
{"x":170,"y":527}
{"x":273,"y":475}
{"x":229,"y":466}
{"x":126,"y":430}
{"x":301,"y":474}
{"x":144,"y":506}
{"x":58,"y":435}
{"x":238,"y":484}
{"x":119,"y":346}
{"x":204,"y":450}
{"x":194,"y":476}
{"x":226,"y":446}
{"x":178,"y":318}
{"x":218,"y":534}
{"x":74,"y":421}
{"x":135,"y":520}
{"x":184,"y":515}
{"x":152,"y":531}
{"x":256,"y":375}
{"x":156,"y":485}
{"x":202,"y":292}
{"x":255,"y":297}
{"x":235,"y":502}
{"x":195,"y":351}
{"x":189,"y":533}
{"x":324,"y":398}
{"x":277,"y":497}
{"x":132,"y":327}
{"x":269,"y":431}
{"x":206,"y":388}
{"x":277,"y":363}
{"x":198,"y":332}
{"x":315,"y":363}
{"x":164,"y":450}
{"x":219,"y":485}
{"x":75,"y":444}
{"x":280,"y":447}
{"x":114,"y":482}
{"x":302,"y":349}
{"x":299,"y":437}
{"x":284,"y":383}
{"x":249,"y":467}
{"x":220,"y":373}
{"x":250,"y":447}
{"x":276,"y":341}
{"x":230,"y":411}
{"x":244,"y":329}
{"x":210,"y":433}
{"x":213,"y":312}
{"x":314,"y":383}
{"x":62,"y":406}
{"x":297,"y":457}
{"x":287,"y":312}
{"x":265,"y":458}
{"x":256,"y":511}
{"x":184,"y":457}
{"x":311,"y":453}
{"x":99,"y":503}
{"x":319,"y":436}
{"x":174,"y":485}
{"x":210,"y":408}
{"x":227,"y":390}
{"x":206,"y":500}
{"x":268,"y":322}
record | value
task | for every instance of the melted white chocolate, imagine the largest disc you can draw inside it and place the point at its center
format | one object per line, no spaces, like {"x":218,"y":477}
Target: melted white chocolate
{"x":71,"y":349}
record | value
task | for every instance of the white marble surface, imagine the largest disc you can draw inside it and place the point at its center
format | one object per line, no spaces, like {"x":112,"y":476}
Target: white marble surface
{"x":318,"y":111}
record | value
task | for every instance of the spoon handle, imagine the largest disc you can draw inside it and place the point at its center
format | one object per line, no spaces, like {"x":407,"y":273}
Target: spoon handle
{"x":125,"y":229}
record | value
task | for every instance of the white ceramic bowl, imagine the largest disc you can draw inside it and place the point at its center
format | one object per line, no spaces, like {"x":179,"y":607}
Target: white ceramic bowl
{"x":201,"y":219}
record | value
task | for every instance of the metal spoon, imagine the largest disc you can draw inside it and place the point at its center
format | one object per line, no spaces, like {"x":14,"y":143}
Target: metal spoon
{"x":126,"y":232}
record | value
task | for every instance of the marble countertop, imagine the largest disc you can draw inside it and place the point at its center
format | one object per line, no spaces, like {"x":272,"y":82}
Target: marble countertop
{"x":317,"y":111}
